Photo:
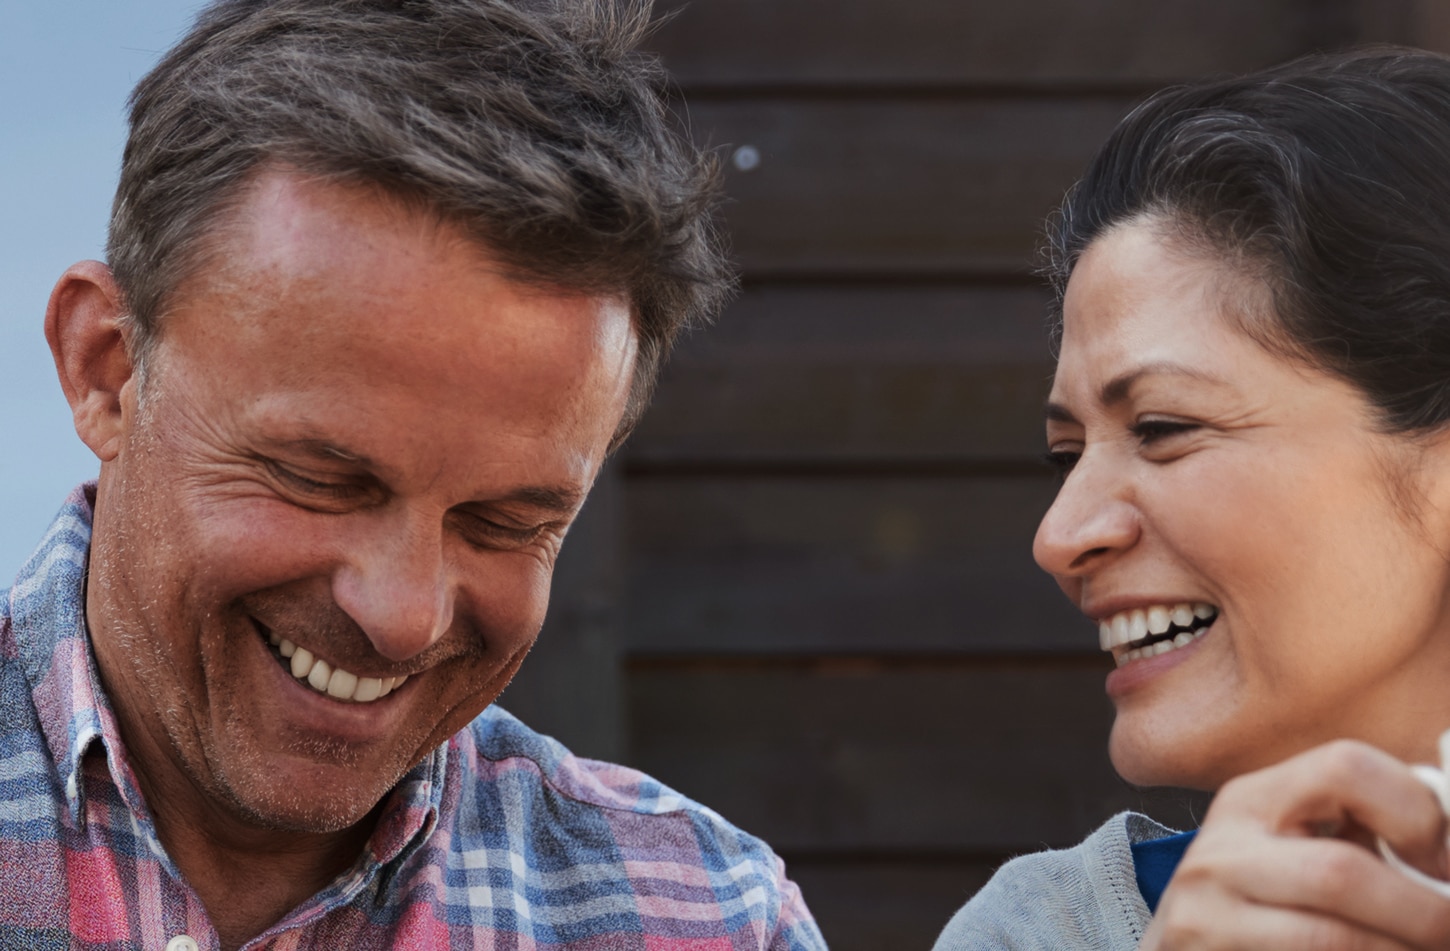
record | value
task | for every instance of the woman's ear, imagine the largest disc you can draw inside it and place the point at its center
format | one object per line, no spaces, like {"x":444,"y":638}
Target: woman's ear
{"x":83,"y":325}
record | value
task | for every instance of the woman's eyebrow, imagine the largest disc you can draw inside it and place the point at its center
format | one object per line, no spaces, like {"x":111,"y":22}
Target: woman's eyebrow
{"x":1057,"y":413}
{"x":1119,"y":387}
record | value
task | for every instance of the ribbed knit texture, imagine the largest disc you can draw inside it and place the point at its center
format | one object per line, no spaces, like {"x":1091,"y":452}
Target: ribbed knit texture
{"x":1085,"y":897}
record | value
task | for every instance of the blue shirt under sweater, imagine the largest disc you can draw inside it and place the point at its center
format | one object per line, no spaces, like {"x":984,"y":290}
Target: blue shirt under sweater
{"x":1155,"y":861}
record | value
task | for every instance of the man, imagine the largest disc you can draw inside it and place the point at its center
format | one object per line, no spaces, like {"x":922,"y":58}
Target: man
{"x":388,"y":279}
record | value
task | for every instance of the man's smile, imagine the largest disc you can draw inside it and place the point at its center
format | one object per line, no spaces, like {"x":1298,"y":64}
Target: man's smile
{"x":324,"y":678}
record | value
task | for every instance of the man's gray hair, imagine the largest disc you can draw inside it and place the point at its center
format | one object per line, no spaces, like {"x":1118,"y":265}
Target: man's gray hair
{"x":533,"y":125}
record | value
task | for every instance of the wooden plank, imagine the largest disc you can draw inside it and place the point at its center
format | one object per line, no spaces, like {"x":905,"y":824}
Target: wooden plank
{"x":934,"y":758}
{"x":1429,"y":26}
{"x":962,"y":42}
{"x":812,"y":564}
{"x":876,"y":905}
{"x":901,"y":186}
{"x":805,"y":372}
{"x":570,"y":685}
{"x":1423,"y":23}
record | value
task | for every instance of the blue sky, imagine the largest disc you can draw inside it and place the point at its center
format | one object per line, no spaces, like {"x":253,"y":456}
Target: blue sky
{"x":65,"y":71}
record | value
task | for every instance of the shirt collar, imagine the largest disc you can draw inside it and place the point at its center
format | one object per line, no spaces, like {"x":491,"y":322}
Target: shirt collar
{"x":48,"y":622}
{"x":411,"y":814}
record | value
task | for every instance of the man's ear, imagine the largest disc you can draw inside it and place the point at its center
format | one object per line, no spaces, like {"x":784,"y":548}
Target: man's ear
{"x":84,"y":330}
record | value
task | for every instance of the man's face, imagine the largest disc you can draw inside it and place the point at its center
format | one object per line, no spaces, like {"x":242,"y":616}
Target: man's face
{"x":358,"y":437}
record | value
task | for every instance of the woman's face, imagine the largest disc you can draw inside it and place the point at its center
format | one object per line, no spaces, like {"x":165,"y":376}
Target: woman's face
{"x":1248,"y":505}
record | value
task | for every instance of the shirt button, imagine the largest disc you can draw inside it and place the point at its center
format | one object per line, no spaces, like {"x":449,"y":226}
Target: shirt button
{"x":182,"y":942}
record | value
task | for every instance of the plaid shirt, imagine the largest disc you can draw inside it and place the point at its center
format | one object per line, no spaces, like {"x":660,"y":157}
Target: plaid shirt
{"x":500,"y":838}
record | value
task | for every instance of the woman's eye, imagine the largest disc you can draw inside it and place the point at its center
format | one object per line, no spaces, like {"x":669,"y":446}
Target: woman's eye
{"x":1061,"y":461}
{"x":1150,"y":431}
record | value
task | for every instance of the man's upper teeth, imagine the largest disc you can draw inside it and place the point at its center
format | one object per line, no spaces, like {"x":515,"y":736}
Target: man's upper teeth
{"x":333,"y":681}
{"x":1125,"y":627}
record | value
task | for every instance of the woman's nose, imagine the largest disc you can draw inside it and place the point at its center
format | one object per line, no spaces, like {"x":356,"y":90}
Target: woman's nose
{"x":397,"y":587}
{"x":1091,"y":521}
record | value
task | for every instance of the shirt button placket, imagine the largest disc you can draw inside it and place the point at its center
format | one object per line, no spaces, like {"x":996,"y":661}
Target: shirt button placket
{"x":182,"y":942}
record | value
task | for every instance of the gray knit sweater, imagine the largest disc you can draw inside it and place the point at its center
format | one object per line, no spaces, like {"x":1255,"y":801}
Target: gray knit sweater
{"x":1085,"y":897}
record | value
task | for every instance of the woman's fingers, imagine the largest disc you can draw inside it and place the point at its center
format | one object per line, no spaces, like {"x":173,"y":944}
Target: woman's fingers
{"x":1343,"y":789}
{"x":1336,"y":880}
{"x":1239,"y":926}
{"x":1284,"y":860}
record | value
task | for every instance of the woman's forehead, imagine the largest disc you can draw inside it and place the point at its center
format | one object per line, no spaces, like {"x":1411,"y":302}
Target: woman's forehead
{"x":1138,"y":305}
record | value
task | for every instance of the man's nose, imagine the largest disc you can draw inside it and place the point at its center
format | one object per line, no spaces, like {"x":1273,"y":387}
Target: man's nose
{"x":1092,"y":520}
{"x":397,"y":586}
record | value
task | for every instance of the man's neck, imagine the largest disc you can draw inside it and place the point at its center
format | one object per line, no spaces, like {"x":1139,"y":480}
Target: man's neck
{"x":248,"y":878}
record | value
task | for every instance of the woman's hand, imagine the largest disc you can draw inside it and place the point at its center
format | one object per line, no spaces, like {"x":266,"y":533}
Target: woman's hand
{"x":1285,"y":860}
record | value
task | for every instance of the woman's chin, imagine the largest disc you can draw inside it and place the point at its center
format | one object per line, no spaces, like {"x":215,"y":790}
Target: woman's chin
{"x":1157,"y":760}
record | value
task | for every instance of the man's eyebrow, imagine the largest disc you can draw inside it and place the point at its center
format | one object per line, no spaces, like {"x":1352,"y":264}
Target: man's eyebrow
{"x":561,"y":499}
{"x":1119,"y":387}
{"x":323,"y":449}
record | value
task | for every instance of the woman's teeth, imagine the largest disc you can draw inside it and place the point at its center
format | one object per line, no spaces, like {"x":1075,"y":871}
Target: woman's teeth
{"x":333,"y":681}
{"x":1147,"y":632}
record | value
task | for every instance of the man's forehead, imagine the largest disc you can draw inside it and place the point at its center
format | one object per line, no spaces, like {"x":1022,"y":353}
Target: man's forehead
{"x":285,"y":219}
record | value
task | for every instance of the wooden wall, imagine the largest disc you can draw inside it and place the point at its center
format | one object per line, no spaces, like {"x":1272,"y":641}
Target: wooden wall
{"x":804,"y":593}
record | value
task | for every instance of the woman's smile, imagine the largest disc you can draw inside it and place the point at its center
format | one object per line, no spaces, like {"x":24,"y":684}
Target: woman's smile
{"x":1138,"y":633}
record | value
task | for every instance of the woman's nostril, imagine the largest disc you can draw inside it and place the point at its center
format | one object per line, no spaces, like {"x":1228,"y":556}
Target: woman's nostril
{"x":1082,"y":560}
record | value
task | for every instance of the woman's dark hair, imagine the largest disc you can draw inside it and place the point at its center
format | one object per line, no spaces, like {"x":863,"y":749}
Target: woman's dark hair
{"x":1330,"y":177}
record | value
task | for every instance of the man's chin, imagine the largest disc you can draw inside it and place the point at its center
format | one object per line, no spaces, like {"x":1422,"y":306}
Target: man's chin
{"x":306,"y":799}
{"x":292,"y":813}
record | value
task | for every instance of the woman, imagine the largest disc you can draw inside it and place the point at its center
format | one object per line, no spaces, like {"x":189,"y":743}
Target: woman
{"x":1251,"y":412}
